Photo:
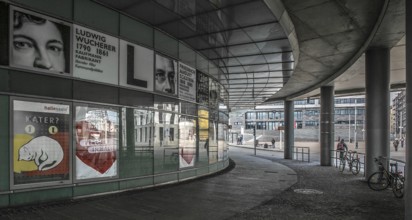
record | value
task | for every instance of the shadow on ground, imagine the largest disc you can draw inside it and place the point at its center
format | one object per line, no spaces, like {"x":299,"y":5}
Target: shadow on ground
{"x":344,"y":196}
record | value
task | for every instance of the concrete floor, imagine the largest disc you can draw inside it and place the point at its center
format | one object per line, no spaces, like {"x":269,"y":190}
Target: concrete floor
{"x":259,"y":187}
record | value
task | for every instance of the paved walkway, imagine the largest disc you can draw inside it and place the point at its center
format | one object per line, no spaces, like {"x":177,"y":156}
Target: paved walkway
{"x":252,"y":182}
{"x":259,"y":187}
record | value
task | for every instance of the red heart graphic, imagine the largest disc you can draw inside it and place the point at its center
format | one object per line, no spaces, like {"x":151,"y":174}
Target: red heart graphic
{"x":92,"y":147}
{"x":187,"y":155}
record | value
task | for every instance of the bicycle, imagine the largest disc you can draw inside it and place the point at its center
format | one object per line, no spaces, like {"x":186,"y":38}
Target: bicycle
{"x":353,"y":162}
{"x":383,"y":178}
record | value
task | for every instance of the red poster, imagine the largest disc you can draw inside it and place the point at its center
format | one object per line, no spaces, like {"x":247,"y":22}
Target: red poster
{"x":96,"y":131}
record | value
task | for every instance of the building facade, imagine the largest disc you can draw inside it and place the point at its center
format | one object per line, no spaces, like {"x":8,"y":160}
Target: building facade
{"x":93,"y":101}
{"x":269,"y":120}
{"x":399,"y":115}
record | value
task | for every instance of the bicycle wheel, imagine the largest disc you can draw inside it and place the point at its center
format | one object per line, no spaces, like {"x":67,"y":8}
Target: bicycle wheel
{"x":397,"y":187}
{"x":342,"y":165}
{"x":378,"y":181}
{"x":355,"y":166}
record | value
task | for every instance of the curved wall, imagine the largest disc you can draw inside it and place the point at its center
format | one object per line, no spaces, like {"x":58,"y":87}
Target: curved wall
{"x":94,"y":102}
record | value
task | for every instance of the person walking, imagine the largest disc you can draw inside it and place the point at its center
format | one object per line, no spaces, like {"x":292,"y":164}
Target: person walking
{"x":396,"y":144}
{"x":273,"y":142}
{"x":342,"y":148}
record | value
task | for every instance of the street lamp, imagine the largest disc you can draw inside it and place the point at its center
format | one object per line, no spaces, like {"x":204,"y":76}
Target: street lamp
{"x":363,"y":133}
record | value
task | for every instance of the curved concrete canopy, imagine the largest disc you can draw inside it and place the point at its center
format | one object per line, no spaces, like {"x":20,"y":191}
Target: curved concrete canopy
{"x":245,"y":40}
{"x":269,"y":50}
{"x":337,"y":58}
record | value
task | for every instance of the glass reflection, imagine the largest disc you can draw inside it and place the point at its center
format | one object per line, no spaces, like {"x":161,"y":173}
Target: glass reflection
{"x":187,"y":141}
{"x":137,"y":147}
{"x":166,"y":142}
{"x":213,"y":144}
{"x":203,"y":121}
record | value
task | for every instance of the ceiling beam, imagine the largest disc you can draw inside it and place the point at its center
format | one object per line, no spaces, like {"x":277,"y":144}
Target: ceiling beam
{"x":268,"y":77}
{"x":241,"y":44}
{"x":262,"y":71}
{"x":229,"y":29}
{"x":256,"y":64}
{"x":255,"y":83}
{"x":251,"y":55}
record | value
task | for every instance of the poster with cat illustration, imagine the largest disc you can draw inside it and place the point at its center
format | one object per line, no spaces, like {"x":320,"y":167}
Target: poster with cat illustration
{"x":96,"y":135}
{"x":41,"y":142}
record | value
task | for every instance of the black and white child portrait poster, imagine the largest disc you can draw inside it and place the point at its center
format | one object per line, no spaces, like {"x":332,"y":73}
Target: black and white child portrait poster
{"x":38,"y":42}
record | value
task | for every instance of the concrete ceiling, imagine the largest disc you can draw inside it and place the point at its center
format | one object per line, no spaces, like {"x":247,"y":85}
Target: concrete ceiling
{"x":271,"y":50}
{"x":352,"y":81}
{"x":335,"y":54}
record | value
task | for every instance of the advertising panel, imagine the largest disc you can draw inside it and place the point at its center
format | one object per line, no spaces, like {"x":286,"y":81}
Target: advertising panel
{"x":41,"y":142}
{"x":39,"y":42}
{"x":221,"y":141}
{"x":96,"y":135}
{"x":214,"y":95}
{"x":95,"y":55}
{"x":136,"y":66}
{"x":187,"y":141}
{"x":213,"y":144}
{"x":166,"y":75}
{"x":187,"y":82}
{"x":203,"y":121}
{"x":202,"y":88}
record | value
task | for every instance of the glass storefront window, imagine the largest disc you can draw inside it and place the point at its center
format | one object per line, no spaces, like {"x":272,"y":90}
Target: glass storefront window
{"x":187,"y":141}
{"x":166,"y":142}
{"x":203,"y":120}
{"x":213,"y":142}
{"x":96,"y":137}
{"x":136,"y":155}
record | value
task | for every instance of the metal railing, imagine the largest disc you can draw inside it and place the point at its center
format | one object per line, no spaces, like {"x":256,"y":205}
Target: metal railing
{"x":361,"y":158}
{"x":303,"y":151}
{"x":401,"y":167}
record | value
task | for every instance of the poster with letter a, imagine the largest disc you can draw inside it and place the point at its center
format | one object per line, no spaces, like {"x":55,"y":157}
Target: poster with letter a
{"x":187,"y":82}
{"x":96,"y":135}
{"x":41,"y":142}
{"x":95,"y":55}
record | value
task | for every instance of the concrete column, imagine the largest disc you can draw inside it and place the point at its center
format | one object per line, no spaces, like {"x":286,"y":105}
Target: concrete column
{"x":130,"y":134}
{"x":289,"y":130}
{"x":377,"y":107}
{"x":327,"y":124}
{"x":408,"y":151}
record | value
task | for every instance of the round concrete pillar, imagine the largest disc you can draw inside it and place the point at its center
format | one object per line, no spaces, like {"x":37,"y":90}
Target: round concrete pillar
{"x":408,"y":152}
{"x":377,"y":107}
{"x":327,"y":124}
{"x":289,"y":130}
